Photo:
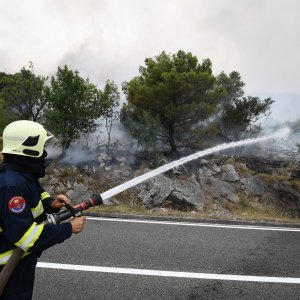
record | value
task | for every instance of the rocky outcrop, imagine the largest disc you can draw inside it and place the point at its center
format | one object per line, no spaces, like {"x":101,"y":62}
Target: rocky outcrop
{"x":174,"y":192}
{"x":223,"y":190}
{"x":253,"y":186}
{"x":229,"y":173}
{"x":154,"y":191}
{"x":286,"y":192}
{"x":219,"y":181}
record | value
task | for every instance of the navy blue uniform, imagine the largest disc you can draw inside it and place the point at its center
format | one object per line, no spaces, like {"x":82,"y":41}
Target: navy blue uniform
{"x":23,"y":205}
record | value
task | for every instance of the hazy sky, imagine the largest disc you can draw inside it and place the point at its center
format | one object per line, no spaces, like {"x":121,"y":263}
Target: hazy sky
{"x":111,"y":38}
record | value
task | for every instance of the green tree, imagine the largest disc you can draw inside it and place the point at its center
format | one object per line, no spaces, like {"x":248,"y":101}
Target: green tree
{"x":242,"y":114}
{"x":111,"y":99}
{"x":146,"y":129}
{"x":237,"y":113}
{"x":177,"y":89}
{"x":233,"y":85}
{"x":23,"y":94}
{"x":4,"y":117}
{"x":74,"y":104}
{"x":2,"y":81}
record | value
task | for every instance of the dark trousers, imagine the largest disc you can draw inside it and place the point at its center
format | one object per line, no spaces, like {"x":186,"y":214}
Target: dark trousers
{"x":20,"y":285}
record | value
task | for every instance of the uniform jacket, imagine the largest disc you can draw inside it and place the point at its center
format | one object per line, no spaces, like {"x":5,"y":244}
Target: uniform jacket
{"x":23,"y":206}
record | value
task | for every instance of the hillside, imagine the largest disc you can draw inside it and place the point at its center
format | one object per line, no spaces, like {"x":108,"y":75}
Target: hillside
{"x":218,"y":186}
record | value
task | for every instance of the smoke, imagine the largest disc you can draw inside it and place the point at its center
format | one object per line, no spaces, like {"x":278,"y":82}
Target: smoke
{"x":286,"y":107}
{"x":280,"y":148}
{"x":53,"y":151}
{"x":87,"y":150}
{"x":112,"y":38}
{"x":77,"y":155}
{"x":89,"y":147}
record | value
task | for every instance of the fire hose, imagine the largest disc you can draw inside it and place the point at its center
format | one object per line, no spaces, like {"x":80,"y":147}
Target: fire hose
{"x":54,"y":219}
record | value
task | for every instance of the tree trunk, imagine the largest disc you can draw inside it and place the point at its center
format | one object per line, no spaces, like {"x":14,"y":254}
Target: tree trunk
{"x":108,"y":145}
{"x":172,"y":139}
{"x":65,"y":147}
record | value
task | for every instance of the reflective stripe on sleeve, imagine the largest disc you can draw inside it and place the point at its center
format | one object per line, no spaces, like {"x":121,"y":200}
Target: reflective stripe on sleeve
{"x":30,"y":236}
{"x":4,"y":257}
{"x":38,"y":210}
{"x":45,"y":195}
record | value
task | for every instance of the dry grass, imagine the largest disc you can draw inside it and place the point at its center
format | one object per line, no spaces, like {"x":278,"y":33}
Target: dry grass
{"x":271,"y":179}
{"x":249,"y":209}
{"x":242,"y":169}
{"x":251,"y":213}
{"x":243,"y":211}
{"x":296,"y":184}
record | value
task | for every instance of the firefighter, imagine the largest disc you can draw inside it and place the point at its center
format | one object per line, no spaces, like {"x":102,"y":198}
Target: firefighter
{"x":24,"y":204}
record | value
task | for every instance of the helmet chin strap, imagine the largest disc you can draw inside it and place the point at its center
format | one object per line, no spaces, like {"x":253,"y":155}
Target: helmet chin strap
{"x":26,"y":164}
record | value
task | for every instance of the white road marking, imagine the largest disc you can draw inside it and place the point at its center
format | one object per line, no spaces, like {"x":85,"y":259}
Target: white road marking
{"x":196,"y":224}
{"x":160,"y":273}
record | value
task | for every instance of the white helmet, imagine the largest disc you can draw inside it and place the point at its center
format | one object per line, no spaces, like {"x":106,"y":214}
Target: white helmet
{"x":26,"y":138}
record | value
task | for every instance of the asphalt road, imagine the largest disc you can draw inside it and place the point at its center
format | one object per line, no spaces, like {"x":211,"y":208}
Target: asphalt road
{"x":194,"y":251}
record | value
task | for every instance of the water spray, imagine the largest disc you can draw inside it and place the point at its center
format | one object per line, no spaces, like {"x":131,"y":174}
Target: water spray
{"x":282,"y":133}
{"x":97,"y":199}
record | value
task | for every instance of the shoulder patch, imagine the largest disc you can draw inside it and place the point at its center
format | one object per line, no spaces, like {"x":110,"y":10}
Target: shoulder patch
{"x":16,"y":204}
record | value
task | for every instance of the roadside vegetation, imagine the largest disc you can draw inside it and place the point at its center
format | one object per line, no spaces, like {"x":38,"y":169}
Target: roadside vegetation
{"x":176,"y":101}
{"x":239,"y":212}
